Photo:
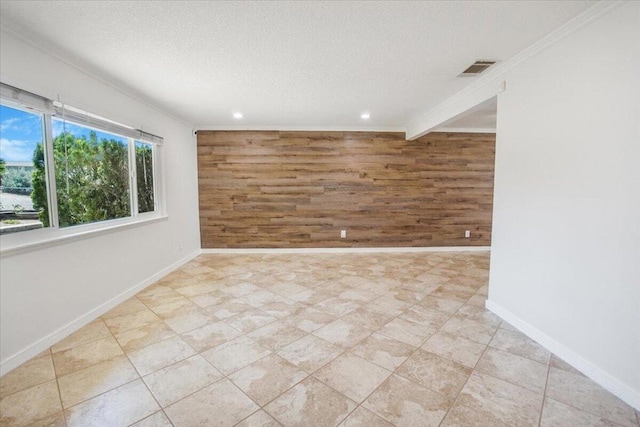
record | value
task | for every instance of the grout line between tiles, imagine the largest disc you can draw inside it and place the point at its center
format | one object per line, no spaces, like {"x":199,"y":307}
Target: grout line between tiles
{"x":455,"y":400}
{"x":100,"y":394}
{"x":55,"y":374}
{"x":137,"y":371}
{"x":32,"y":386}
{"x":64,"y":415}
{"x":255,"y":412}
{"x":544,"y":392}
{"x":107,"y":391}
{"x":392,"y":372}
{"x":344,"y":350}
{"x":167,"y":417}
{"x":583,"y":410}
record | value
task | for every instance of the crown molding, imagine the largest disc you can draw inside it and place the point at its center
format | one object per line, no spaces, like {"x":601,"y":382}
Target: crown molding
{"x":485,"y":87}
{"x":309,"y":128}
{"x":491,"y":83}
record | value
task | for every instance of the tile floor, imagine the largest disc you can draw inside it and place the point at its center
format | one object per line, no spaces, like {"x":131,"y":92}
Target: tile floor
{"x":307,"y":340}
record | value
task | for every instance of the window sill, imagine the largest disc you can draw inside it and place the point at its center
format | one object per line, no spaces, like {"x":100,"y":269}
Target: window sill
{"x":18,"y":243}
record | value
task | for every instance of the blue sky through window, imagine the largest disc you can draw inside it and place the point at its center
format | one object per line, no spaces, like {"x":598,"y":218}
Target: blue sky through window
{"x":78,"y":131}
{"x":20,"y":132}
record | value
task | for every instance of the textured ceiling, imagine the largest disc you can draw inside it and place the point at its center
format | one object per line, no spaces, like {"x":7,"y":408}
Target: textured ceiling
{"x":287,"y":64}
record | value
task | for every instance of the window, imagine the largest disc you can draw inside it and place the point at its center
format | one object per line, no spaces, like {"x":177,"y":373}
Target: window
{"x":92,"y":174}
{"x":62,"y":168}
{"x":144,"y":182}
{"x":23,"y":187}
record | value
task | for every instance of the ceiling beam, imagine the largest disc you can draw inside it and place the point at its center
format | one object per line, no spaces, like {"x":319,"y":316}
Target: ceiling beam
{"x":452,"y":107}
{"x":492,"y":81}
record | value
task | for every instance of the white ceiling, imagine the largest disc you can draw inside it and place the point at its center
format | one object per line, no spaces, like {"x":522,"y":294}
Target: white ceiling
{"x":482,"y":116}
{"x":314,"y":65}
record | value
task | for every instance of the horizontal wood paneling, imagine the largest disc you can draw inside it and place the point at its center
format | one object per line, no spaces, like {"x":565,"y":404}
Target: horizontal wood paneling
{"x":299,"y":189}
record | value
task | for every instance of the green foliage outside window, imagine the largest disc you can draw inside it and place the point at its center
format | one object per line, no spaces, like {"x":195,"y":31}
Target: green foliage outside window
{"x":38,"y":181}
{"x":92,"y":179}
{"x":3,"y":169}
{"x":144,"y":173}
{"x":16,"y":181}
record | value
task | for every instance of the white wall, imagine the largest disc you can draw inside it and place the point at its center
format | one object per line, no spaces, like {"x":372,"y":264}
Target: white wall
{"x":565,"y":262}
{"x":43,"y":290}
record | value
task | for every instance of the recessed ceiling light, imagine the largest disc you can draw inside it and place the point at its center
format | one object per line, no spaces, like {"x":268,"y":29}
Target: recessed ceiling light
{"x":365,"y":116}
{"x":237,"y":115}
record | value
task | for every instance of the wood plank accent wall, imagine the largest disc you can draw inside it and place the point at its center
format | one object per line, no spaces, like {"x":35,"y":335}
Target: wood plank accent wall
{"x":269,"y":189}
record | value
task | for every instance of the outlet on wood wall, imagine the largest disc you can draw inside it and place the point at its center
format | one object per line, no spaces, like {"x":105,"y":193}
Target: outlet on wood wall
{"x":300,"y":189}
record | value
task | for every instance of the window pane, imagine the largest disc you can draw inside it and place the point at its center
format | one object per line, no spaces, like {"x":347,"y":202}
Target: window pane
{"x":144,"y":172}
{"x":23,"y":188}
{"x":92,"y":174}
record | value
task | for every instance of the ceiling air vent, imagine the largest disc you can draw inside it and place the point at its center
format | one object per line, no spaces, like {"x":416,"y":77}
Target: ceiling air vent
{"x":476,"y":68}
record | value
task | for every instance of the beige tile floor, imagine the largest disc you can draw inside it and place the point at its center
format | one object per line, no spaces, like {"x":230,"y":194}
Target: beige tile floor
{"x":307,"y":340}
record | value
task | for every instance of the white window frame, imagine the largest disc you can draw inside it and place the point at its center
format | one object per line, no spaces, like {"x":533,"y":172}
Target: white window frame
{"x":48,"y":110}
{"x":155,"y":148}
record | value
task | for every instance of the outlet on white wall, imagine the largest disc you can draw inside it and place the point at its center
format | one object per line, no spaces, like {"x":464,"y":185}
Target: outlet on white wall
{"x":467,"y":233}
{"x":343,"y":234}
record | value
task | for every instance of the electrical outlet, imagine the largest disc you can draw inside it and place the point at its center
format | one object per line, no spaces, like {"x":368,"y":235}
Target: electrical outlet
{"x":343,"y":234}
{"x":467,"y":233}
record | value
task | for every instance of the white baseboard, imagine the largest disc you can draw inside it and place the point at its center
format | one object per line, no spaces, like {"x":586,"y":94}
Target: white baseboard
{"x":597,"y":374}
{"x":345,"y":250}
{"x":39,"y":346}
